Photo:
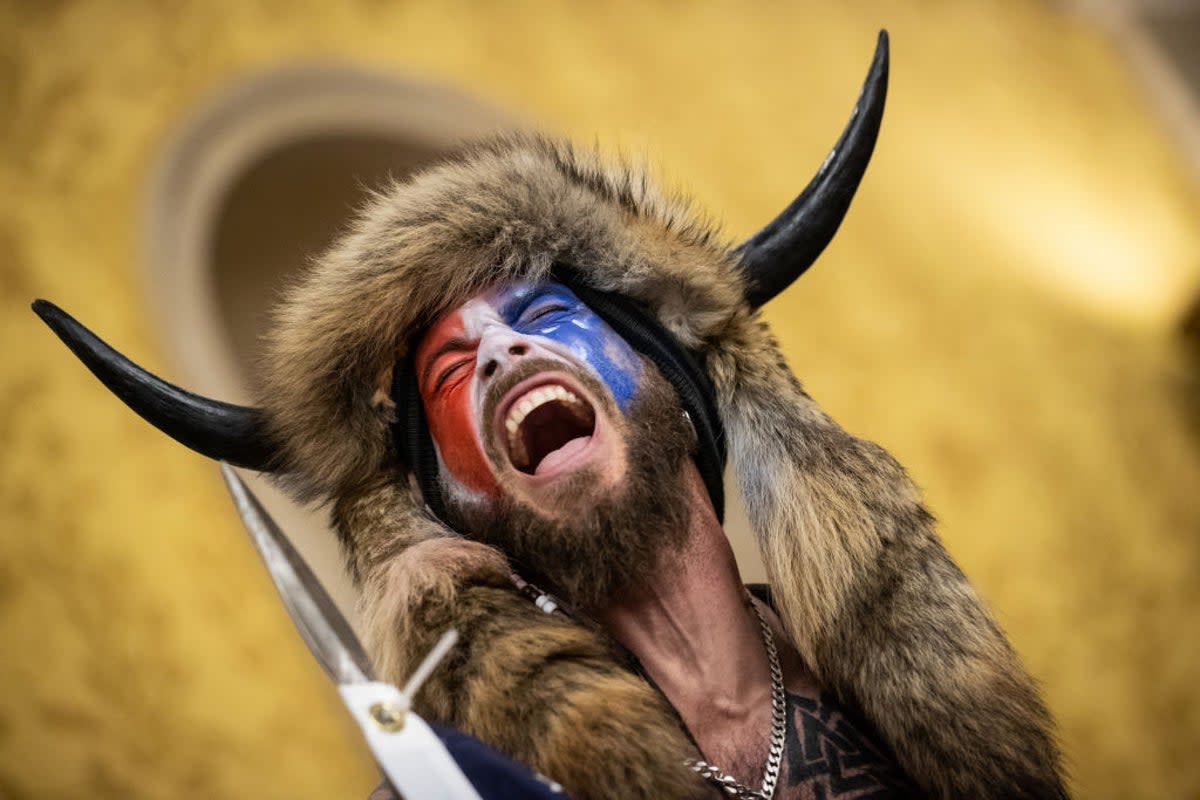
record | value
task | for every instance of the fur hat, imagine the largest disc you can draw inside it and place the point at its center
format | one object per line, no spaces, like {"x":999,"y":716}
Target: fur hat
{"x":862,"y":585}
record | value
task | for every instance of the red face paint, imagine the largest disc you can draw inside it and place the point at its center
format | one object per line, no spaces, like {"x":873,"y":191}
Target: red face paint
{"x":544,"y":319}
{"x":445,"y":362}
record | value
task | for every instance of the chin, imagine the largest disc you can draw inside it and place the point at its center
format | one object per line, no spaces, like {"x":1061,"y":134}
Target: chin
{"x":569,"y":497}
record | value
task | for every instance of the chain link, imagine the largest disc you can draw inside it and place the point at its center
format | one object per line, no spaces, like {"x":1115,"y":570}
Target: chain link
{"x":778,"y":710}
{"x":727,"y":783}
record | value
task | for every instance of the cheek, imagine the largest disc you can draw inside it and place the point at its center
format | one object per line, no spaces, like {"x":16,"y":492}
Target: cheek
{"x":452,"y":425}
{"x":617,"y":365}
{"x":620,"y":368}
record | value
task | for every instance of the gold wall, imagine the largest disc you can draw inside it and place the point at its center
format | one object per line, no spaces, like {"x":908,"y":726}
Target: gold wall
{"x":997,"y":311}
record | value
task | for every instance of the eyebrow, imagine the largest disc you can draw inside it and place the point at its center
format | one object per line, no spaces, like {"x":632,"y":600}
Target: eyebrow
{"x":455,"y":345}
{"x":514,"y":308}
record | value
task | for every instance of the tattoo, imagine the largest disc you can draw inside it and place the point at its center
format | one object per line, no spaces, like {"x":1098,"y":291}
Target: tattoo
{"x":829,"y":757}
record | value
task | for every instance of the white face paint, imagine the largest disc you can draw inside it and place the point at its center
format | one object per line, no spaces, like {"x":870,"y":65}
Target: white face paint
{"x":470,"y":348}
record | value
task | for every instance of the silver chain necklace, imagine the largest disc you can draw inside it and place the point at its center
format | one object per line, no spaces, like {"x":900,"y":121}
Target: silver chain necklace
{"x":727,"y":783}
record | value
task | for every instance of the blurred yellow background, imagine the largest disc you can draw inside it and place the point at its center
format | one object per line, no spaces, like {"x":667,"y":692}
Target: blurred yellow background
{"x":1000,"y":310}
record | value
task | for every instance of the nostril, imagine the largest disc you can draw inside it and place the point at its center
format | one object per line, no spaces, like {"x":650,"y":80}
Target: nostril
{"x":517,"y":350}
{"x":489,"y":369}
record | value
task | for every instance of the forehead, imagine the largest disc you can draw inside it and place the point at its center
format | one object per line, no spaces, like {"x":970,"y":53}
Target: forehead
{"x":503,"y":302}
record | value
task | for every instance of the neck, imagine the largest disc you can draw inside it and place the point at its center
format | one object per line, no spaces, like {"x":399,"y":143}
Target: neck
{"x":692,"y":631}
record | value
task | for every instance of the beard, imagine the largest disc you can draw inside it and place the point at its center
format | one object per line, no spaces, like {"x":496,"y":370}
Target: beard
{"x":611,"y":538}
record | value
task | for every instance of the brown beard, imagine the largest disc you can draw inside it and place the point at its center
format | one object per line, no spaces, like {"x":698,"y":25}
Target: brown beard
{"x":597,"y":551}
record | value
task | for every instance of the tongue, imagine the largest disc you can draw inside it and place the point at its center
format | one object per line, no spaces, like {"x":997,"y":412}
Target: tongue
{"x":556,"y":457}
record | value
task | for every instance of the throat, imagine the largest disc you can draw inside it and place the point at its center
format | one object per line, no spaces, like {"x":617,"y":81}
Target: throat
{"x":698,"y":640}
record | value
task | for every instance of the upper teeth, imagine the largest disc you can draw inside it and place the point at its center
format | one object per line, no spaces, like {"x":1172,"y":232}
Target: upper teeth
{"x":538,"y":397}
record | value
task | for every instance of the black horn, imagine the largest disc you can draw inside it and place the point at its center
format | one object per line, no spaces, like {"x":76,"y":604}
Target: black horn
{"x":779,"y":253}
{"x":218,"y":430}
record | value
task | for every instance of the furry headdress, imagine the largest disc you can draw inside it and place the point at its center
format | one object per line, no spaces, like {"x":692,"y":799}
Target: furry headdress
{"x":864,"y":588}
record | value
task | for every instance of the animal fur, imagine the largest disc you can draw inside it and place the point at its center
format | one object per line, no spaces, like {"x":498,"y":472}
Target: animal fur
{"x":864,"y":588}
{"x":539,"y":687}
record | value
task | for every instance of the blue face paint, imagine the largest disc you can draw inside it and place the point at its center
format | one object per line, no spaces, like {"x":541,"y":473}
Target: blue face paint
{"x":552,"y":311}
{"x":547,"y":316}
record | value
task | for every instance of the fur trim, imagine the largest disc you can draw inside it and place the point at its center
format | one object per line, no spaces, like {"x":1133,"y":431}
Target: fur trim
{"x":864,"y":588}
{"x":538,"y":687}
{"x":872,"y":600}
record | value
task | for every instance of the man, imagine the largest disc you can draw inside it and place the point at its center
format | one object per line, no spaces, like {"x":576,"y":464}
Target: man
{"x":563,"y":449}
{"x":528,"y":361}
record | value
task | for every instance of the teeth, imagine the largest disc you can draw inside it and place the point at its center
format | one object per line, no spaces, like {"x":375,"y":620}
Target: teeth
{"x":522,"y":408}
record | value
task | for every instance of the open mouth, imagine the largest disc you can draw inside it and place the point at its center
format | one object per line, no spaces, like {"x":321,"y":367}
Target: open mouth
{"x":546,"y":426}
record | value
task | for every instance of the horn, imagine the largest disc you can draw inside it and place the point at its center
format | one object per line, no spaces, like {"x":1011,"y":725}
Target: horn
{"x":223,"y":431}
{"x":781,"y":252}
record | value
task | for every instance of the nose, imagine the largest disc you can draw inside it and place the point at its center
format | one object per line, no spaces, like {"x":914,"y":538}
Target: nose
{"x":500,"y":351}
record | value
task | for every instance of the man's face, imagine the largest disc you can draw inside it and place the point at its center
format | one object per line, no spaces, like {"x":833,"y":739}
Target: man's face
{"x":559,"y":444}
{"x":525,"y":387}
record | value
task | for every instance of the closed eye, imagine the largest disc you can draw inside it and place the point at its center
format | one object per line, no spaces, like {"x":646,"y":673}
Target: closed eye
{"x":545,"y":311}
{"x":454,"y":369}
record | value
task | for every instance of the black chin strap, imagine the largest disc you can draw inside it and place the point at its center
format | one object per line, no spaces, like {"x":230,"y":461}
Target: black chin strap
{"x":413,"y":441}
{"x":643,"y":333}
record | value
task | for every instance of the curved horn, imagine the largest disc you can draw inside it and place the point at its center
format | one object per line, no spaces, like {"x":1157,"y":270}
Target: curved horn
{"x":779,"y":253}
{"x":218,"y":430}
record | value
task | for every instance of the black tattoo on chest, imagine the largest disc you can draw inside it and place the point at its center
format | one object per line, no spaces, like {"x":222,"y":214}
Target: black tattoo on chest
{"x":828,"y":756}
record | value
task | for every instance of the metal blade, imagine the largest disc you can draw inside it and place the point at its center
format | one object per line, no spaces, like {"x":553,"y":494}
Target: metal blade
{"x":321,"y":625}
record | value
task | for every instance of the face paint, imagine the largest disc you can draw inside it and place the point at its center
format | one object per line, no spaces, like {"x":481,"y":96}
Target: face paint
{"x":552,"y":312}
{"x":493,"y":331}
{"x":445,"y":362}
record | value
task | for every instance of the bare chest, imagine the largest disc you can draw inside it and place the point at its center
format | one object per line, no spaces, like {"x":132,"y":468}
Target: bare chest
{"x":827,"y":752}
{"x":827,"y":755}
